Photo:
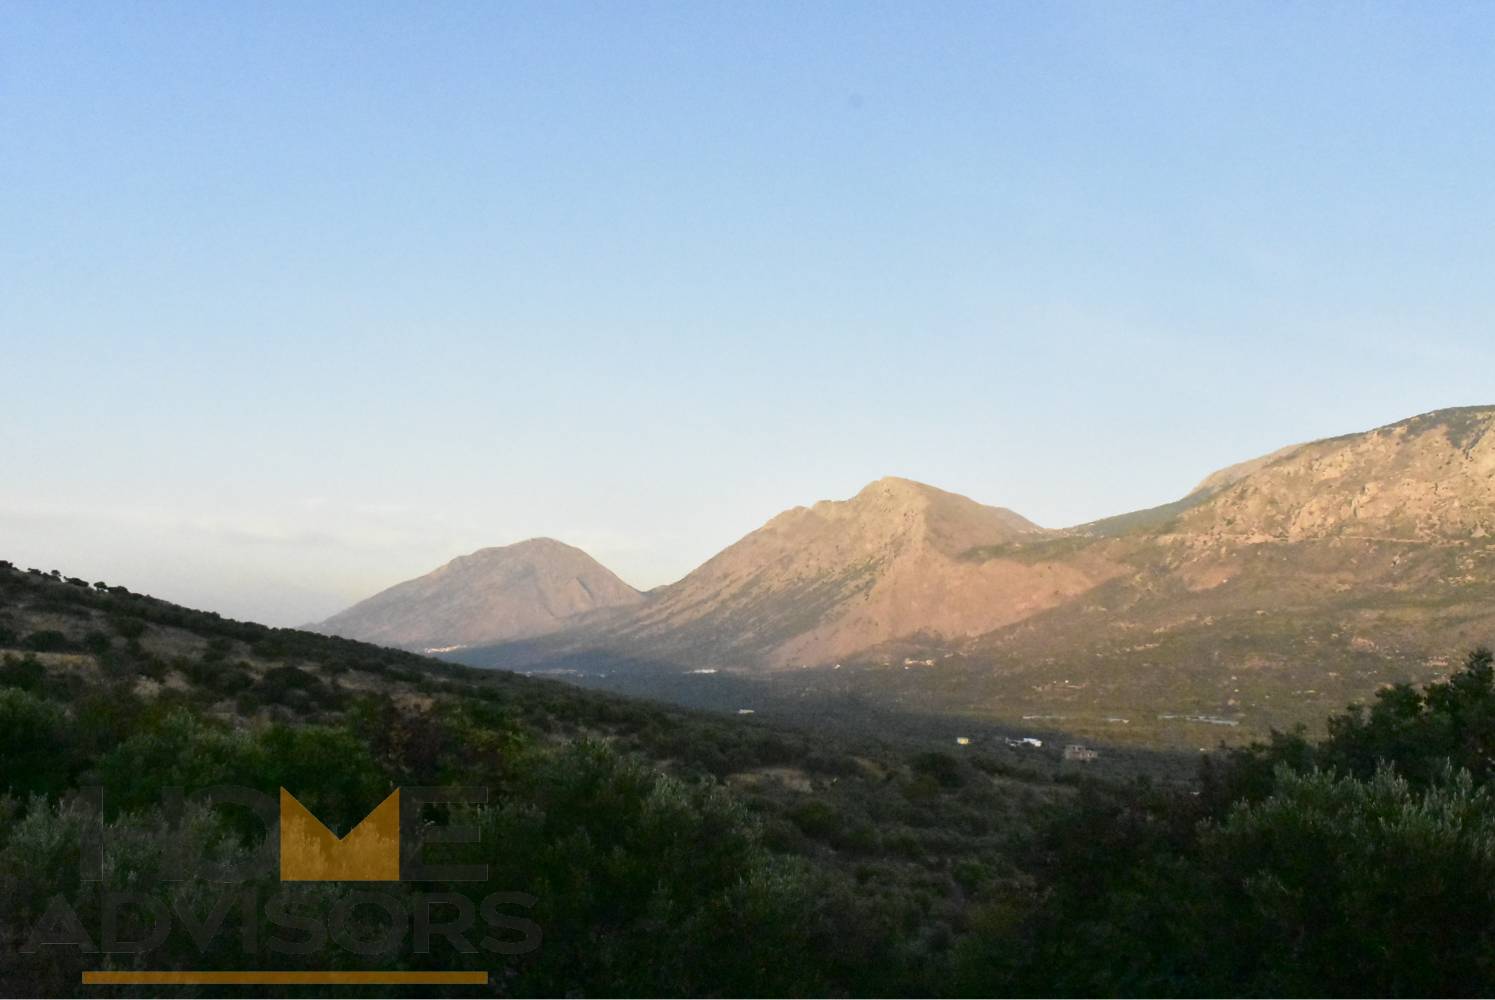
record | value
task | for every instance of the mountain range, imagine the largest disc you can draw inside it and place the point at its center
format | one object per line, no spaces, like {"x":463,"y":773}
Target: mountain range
{"x":1277,"y":589}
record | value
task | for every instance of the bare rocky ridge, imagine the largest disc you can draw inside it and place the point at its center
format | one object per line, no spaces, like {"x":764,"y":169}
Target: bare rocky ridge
{"x":492,"y":595}
{"x":1430,"y":478}
{"x":1295,"y":583}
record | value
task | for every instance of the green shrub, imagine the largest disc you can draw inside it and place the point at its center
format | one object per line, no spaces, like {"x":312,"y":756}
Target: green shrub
{"x":48,"y":641}
{"x":1372,"y":887}
{"x":940,"y":766}
{"x":33,"y":738}
{"x":818,"y":819}
{"x":295,"y":687}
{"x":24,"y":672}
{"x":129,"y":628}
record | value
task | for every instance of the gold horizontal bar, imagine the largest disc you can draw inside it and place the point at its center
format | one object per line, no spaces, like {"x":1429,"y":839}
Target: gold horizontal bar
{"x":109,"y":978}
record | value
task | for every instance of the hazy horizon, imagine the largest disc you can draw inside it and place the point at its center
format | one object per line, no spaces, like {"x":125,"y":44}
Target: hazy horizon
{"x":298,"y":303}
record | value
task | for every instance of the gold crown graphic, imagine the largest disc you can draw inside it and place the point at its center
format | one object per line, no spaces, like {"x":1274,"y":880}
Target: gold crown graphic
{"x":309,"y":852}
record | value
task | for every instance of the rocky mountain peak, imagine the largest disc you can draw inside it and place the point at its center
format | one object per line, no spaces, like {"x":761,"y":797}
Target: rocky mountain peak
{"x":1428,"y":477}
{"x":491,"y":595}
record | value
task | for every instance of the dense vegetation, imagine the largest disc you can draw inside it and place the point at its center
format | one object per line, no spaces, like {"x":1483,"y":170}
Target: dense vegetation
{"x":650,"y":850}
{"x":1360,"y":865}
{"x":662,"y":851}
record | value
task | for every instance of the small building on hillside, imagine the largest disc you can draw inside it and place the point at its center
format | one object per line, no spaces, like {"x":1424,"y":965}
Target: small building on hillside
{"x":1077,"y":751}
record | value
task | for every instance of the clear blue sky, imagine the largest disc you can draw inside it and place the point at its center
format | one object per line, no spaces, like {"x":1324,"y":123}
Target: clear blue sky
{"x":298,"y":300}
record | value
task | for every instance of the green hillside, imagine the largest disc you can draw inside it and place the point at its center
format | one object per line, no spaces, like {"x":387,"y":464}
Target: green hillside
{"x":667,"y":852}
{"x":632,"y":849}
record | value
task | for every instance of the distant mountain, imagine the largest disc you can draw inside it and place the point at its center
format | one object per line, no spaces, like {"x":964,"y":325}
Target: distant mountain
{"x":820,"y":582}
{"x":493,"y":595}
{"x":1278,"y":589}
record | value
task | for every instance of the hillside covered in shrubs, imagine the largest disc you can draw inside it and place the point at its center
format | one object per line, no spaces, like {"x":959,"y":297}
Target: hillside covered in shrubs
{"x":637,"y":849}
